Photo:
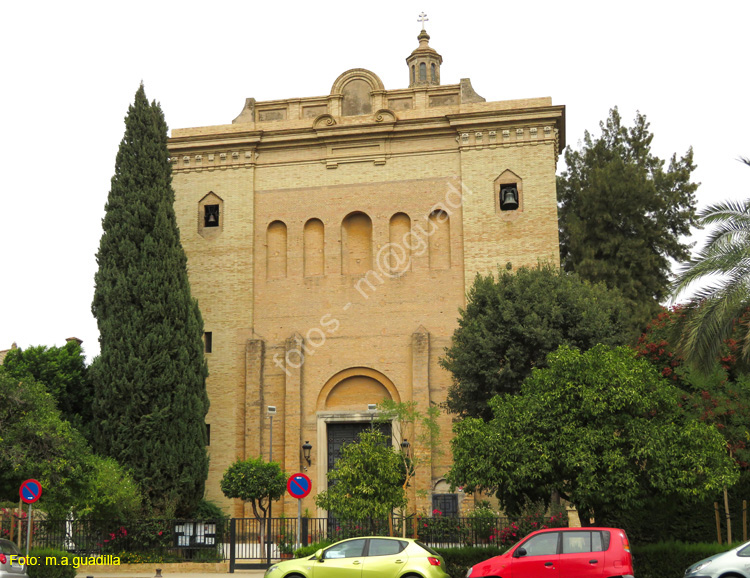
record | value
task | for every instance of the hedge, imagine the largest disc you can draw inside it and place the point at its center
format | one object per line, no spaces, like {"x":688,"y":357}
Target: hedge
{"x":671,"y":559}
{"x":64,"y":568}
{"x":458,"y":560}
{"x":662,"y":560}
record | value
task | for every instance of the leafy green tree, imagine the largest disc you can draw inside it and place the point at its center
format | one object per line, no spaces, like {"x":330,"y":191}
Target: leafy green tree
{"x":719,"y":308}
{"x":511,"y":323}
{"x":368,"y":480}
{"x":718,"y":395}
{"x":601,"y":428}
{"x":256,"y":481}
{"x":108,"y":493}
{"x":423,"y":430}
{"x":38,"y":443}
{"x":63,"y":372}
{"x":622,"y":213}
{"x":150,"y":397}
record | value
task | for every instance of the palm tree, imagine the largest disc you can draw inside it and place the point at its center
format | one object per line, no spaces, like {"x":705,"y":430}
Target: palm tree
{"x":715,"y":311}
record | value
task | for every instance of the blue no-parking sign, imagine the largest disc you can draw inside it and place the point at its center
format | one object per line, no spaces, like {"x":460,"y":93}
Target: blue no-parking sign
{"x":30,"y":491}
{"x":298,"y":486}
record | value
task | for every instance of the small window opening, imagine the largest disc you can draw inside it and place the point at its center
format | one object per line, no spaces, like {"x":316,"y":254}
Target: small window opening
{"x":208,"y":341}
{"x":422,"y":72}
{"x":508,"y":197}
{"x":445,"y":504}
{"x":211,"y":216}
{"x":208,"y":434}
{"x":434,"y":74}
{"x":413,"y":74}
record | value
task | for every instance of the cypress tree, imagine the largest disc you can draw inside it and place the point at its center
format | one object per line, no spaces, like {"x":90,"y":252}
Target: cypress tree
{"x":150,"y":398}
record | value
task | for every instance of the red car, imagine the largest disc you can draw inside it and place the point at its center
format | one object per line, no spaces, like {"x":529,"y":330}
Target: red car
{"x":563,"y":553}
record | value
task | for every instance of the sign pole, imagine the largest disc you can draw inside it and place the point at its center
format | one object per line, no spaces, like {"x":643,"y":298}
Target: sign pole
{"x":298,"y":486}
{"x":30,"y":491}
{"x":28,"y":533}
{"x":299,"y":522}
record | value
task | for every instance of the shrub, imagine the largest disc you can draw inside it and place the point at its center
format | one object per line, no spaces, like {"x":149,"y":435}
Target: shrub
{"x":207,"y":510}
{"x":311,"y":549}
{"x":482,"y":522}
{"x":670,"y":559}
{"x":459,"y":560}
{"x":63,"y":568}
{"x":532,"y":519}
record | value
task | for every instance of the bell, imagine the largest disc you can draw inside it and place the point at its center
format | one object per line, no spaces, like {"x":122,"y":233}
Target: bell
{"x":509,"y":199}
{"x":211,"y":219}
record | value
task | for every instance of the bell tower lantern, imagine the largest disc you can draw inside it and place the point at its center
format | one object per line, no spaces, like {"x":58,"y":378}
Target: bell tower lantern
{"x":424,"y":63}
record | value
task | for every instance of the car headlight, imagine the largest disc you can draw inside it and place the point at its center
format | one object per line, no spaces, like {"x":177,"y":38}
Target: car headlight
{"x":700,"y":566}
{"x":271,"y":569}
{"x":468,"y":572}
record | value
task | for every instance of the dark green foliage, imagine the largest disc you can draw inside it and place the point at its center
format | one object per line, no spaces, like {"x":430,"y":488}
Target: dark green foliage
{"x":660,"y":518}
{"x":150,"y":398}
{"x":622,"y":214}
{"x":63,"y":372}
{"x":311,"y":549}
{"x":511,"y":323}
{"x":206,"y":510}
{"x":255,"y":481}
{"x":606,"y":433}
{"x":63,"y":565}
{"x":671,"y":559}
{"x":459,"y":560}
{"x":368,"y":480}
{"x":38,"y":444}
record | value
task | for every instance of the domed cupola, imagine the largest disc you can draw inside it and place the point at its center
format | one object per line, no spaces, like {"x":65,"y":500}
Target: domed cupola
{"x":424,"y":63}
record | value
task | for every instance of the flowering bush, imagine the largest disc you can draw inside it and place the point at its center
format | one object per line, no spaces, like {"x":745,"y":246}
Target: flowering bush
{"x":533,"y":519}
{"x":438,"y":528}
{"x":482,"y":522}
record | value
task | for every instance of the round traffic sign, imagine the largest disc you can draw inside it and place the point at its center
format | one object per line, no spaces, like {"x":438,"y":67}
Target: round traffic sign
{"x":30,"y":491}
{"x":298,"y":486}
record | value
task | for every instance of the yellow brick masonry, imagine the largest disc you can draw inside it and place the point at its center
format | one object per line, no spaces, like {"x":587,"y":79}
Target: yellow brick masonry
{"x":363,"y":340}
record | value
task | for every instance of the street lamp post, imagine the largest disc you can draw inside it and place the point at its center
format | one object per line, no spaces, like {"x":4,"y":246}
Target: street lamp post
{"x":271,"y":410}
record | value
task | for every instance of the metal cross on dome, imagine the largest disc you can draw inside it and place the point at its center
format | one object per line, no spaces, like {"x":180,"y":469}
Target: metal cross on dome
{"x":422,"y":18}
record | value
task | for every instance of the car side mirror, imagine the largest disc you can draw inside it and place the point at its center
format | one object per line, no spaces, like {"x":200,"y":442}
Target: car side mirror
{"x":319,"y":555}
{"x":519,"y":553}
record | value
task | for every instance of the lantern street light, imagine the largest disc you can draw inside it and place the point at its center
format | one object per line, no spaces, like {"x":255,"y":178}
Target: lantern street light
{"x":306,"y":449}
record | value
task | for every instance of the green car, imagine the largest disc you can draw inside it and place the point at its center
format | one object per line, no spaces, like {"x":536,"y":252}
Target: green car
{"x":368,"y":557}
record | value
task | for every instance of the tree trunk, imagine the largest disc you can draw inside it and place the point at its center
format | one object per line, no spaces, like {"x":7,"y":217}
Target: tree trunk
{"x":728,"y":515}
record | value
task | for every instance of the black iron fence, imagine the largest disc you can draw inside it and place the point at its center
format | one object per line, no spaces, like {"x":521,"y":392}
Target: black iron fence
{"x":131,"y":540}
{"x":252,"y":539}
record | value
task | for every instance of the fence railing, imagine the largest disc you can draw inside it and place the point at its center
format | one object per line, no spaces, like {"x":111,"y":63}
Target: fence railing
{"x":178,"y":539}
{"x":249,"y":538}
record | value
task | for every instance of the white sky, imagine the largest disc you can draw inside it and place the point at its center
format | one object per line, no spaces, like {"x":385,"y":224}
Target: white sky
{"x":70,"y":70}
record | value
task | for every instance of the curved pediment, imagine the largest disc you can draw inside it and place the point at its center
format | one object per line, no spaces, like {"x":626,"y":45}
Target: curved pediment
{"x":362,"y":74}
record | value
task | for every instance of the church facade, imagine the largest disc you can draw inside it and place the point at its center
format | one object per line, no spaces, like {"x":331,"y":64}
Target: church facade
{"x":331,"y":241}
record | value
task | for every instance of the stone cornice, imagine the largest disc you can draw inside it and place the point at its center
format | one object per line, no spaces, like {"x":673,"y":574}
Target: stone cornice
{"x":333,"y":140}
